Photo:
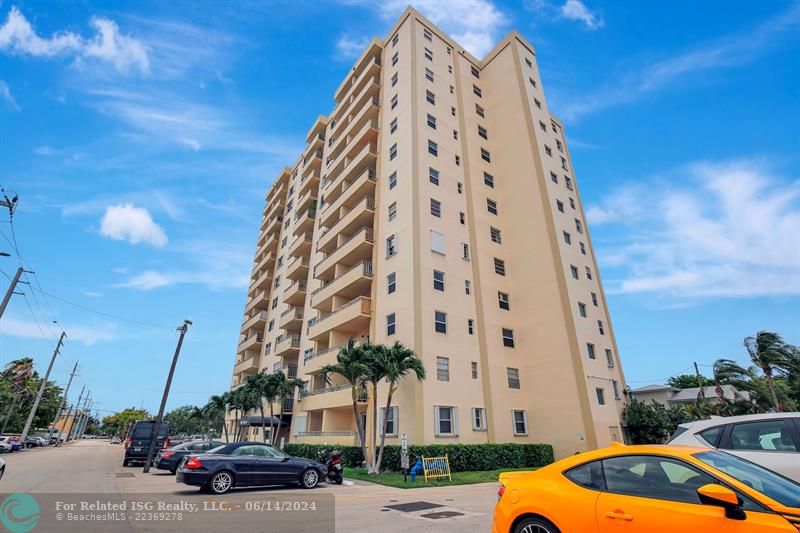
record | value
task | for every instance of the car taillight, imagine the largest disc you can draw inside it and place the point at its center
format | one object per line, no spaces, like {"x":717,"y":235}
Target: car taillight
{"x":500,"y":490}
{"x":128,"y":441}
{"x":336,"y":461}
{"x":167,"y":453}
{"x":193,"y":463}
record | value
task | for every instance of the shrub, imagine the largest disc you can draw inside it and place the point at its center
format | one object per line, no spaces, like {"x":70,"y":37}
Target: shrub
{"x":462,"y":457}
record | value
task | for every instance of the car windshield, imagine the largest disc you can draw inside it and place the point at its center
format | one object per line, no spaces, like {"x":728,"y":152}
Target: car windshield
{"x":782,"y":490}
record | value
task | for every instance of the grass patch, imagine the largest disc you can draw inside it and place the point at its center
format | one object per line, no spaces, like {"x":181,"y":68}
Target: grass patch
{"x":395,"y":479}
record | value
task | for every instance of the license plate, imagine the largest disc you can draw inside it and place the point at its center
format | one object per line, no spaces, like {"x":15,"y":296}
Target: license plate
{"x":137,"y":449}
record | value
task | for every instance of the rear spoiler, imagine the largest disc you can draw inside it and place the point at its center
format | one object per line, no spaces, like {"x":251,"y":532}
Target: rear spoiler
{"x":505,"y":477}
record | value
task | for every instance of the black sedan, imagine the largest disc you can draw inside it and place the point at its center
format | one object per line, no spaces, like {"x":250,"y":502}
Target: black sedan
{"x":248,"y":464}
{"x":170,"y":458}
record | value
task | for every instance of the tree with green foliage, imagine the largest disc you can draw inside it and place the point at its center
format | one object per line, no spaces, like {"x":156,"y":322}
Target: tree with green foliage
{"x":186,"y":419}
{"x":285,"y":388}
{"x":214,"y":413}
{"x":688,"y":381}
{"x":773,"y":357}
{"x":119,"y":422}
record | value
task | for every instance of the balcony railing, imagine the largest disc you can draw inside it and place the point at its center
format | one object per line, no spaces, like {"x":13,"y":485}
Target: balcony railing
{"x":297,"y":311}
{"x":334,"y":433}
{"x":310,"y":356}
{"x":366,"y":265}
{"x":370,"y":204}
{"x":332,"y":388}
{"x":358,"y":300}
{"x":288,"y":405}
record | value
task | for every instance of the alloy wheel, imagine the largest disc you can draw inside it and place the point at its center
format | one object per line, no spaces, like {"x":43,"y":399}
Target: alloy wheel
{"x":222,"y":482}
{"x":310,"y":478}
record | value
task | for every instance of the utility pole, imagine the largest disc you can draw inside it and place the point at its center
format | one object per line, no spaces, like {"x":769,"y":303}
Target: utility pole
{"x":61,"y":430}
{"x":157,"y":426}
{"x":86,"y":417}
{"x":77,"y":409}
{"x":10,"y":290}
{"x":41,"y":388}
{"x":63,"y":400}
{"x":13,"y":406}
{"x":700,"y":382}
{"x":82,"y":418}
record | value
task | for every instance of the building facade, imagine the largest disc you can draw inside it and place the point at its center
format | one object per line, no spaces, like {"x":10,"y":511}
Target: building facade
{"x":437,"y":206}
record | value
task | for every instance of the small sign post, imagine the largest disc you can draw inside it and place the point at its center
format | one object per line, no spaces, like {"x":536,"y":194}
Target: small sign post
{"x":404,"y":456}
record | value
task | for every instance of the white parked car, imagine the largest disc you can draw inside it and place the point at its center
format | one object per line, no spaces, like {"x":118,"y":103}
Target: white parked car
{"x":771,"y":440}
{"x":5,"y":446}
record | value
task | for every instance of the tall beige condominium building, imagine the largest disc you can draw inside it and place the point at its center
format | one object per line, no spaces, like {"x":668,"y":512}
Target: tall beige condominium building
{"x":436,"y":205}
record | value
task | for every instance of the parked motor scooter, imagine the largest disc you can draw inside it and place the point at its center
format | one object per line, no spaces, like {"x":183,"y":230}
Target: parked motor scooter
{"x":333,"y":462}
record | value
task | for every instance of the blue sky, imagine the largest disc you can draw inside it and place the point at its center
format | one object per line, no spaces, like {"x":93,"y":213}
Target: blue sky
{"x":141,"y":139}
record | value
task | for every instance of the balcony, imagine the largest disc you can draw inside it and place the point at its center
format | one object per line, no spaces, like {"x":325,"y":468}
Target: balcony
{"x":369,"y":64}
{"x":306,"y":200}
{"x":352,"y":317}
{"x":248,"y":365}
{"x":345,"y":195}
{"x":313,"y":162}
{"x":286,"y":345}
{"x":362,"y":128}
{"x":262,"y":281}
{"x":250,"y":343}
{"x":260,"y":300}
{"x":330,"y":397}
{"x":314,"y":361}
{"x":274,"y":210}
{"x":357,"y":247}
{"x":288,"y":405}
{"x":360,"y":215}
{"x":298,"y":269}
{"x":295,"y":294}
{"x":274,"y":224}
{"x":342,"y":438}
{"x":355,"y":281}
{"x":265,"y":254}
{"x":309,"y":182}
{"x":301,"y":245}
{"x":304,"y":221}
{"x":291,"y":319}
{"x":257,"y":320}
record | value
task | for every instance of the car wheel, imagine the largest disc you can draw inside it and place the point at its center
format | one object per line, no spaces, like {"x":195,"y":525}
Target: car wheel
{"x":173,"y":469}
{"x":221,"y":483}
{"x":535,"y":525}
{"x":309,"y":478}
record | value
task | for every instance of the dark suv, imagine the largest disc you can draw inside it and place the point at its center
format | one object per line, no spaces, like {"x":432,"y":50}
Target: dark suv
{"x":138,"y":442}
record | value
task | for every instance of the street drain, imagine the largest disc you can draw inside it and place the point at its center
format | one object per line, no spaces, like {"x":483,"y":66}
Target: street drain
{"x":442,"y":514}
{"x":124,"y":474}
{"x":413,"y":507}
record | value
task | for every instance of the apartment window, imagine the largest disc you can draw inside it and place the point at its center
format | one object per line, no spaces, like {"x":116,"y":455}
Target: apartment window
{"x":615,"y":385}
{"x":553,"y":177}
{"x":437,"y":242}
{"x":438,"y":280}
{"x":560,"y":205}
{"x":440,"y":321}
{"x":392,"y":211}
{"x":462,"y":218}
{"x":508,"y":338}
{"x":277,"y":281}
{"x":391,"y":246}
{"x":479,"y":110}
{"x":601,"y":396}
{"x":482,"y":132}
{"x":394,"y":101}
{"x":476,"y":90}
{"x":395,"y":40}
{"x":453,"y":111}
{"x":394,"y":79}
{"x":609,"y":358}
{"x":430,"y":97}
{"x":533,"y":82}
{"x":458,"y":161}
{"x":548,"y":151}
{"x":520,"y":419}
{"x":474,"y":369}
{"x":513,"y":377}
{"x":600,"y":327}
{"x":555,"y":128}
{"x":455,"y":135}
{"x":590,"y":350}
{"x":568,"y":182}
{"x":429,"y":54}
{"x":528,"y":62}
{"x":283,"y":241}
{"x":465,"y":251}
{"x":390,"y":324}
{"x":567,"y":237}
{"x":499,"y":266}
{"x":478,"y":418}
{"x":436,"y":208}
{"x":594,"y":299}
{"x":491,"y":206}
{"x":582,"y":309}
{"x":449,"y":67}
{"x":542,"y":126}
{"x":564,"y":164}
{"x":503,"y":301}
{"x":274,"y":303}
{"x":475,"y":71}
{"x":433,"y":148}
{"x":494,"y":233}
{"x":391,"y":283}
{"x":393,"y":126}
{"x":271,"y":325}
{"x":572,"y":203}
{"x":429,"y":74}
{"x":488,"y":180}
{"x":467,"y":286}
{"x":574,"y":270}
{"x":583,"y":248}
{"x":392,"y":180}
{"x":588,"y":273}
{"x":446,"y":420}
{"x":460,"y":188}
{"x":433,"y":175}
{"x":391,"y":421}
{"x":427,"y":34}
{"x":394,"y":59}
{"x":559,"y":146}
{"x":443,"y":369}
{"x":485,"y":155}
{"x":431,"y":121}
{"x":578,"y":226}
{"x":538,"y":103}
{"x":470,"y":326}
{"x":393,"y":152}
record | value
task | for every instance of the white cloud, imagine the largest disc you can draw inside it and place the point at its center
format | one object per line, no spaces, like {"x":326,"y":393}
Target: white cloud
{"x":730,"y":232}
{"x":44,"y":150}
{"x":17,"y":36}
{"x":87,"y":335}
{"x":348,"y":47}
{"x":133,"y":224}
{"x":191,"y":144}
{"x":147,"y":280}
{"x":577,"y":11}
{"x":7,"y":97}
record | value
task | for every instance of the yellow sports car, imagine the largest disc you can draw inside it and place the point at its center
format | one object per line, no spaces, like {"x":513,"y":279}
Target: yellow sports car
{"x":647,"y":489}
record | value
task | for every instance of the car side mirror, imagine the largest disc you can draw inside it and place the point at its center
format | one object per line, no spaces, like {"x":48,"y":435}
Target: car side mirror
{"x":721,"y":496}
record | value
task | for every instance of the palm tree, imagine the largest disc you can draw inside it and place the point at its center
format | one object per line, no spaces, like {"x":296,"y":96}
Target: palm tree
{"x":397,"y":362}
{"x":376,"y":372}
{"x":261,"y":387}
{"x":216,"y":408}
{"x":284,"y":389}
{"x":773,"y":356}
{"x":351,"y":364}
{"x":727,"y":372}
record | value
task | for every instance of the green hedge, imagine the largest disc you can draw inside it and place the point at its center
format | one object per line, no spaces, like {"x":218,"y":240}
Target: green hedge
{"x":463,"y":457}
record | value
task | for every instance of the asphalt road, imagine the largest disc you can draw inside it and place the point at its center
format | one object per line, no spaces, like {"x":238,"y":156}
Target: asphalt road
{"x":92,"y":471}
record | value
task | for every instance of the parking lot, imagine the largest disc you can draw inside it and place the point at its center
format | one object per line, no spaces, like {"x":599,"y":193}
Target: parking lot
{"x":95,"y":466}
